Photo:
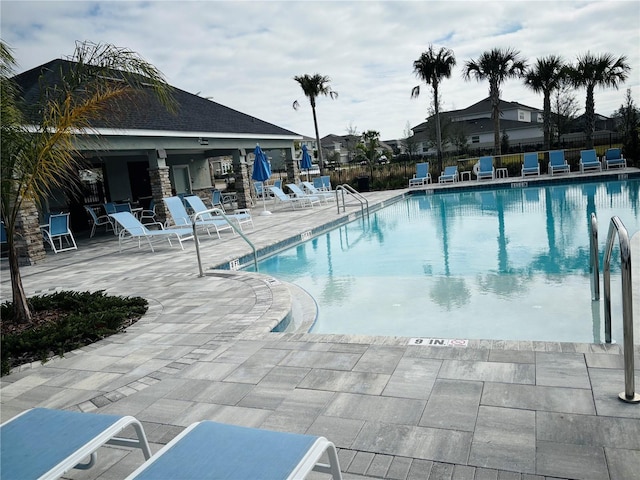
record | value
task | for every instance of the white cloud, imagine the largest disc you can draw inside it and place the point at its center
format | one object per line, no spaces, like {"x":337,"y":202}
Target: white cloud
{"x":245,"y":54}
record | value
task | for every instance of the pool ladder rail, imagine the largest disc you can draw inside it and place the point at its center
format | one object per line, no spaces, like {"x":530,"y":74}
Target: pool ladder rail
{"x":345,"y":189}
{"x":616,"y":227}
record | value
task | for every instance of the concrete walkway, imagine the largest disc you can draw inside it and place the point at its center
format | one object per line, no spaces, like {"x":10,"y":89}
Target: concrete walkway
{"x":493,"y":410}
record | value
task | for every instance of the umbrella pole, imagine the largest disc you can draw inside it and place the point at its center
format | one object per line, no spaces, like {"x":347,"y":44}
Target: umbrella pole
{"x":264,"y":202}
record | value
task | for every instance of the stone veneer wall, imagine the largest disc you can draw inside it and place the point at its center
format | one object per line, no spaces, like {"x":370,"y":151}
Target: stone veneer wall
{"x":160,"y":188}
{"x":29,"y":242}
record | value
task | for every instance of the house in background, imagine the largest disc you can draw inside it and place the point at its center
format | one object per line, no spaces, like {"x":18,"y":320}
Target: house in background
{"x":522,"y":124}
{"x":145,"y":152}
{"x":342,"y":148}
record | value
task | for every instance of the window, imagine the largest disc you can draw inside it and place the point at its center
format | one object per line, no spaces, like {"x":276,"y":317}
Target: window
{"x":475,"y":139}
{"x":521,"y":116}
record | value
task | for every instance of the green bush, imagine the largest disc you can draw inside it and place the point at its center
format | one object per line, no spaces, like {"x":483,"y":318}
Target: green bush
{"x":64,"y":321}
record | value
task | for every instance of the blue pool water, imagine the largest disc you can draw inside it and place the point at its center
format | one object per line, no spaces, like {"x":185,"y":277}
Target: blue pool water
{"x":509,"y":264}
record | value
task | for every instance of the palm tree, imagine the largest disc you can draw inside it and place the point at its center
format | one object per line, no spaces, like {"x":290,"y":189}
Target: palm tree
{"x":38,"y":153}
{"x":313,"y":86}
{"x":496,"y":66}
{"x":432,"y":67}
{"x":590,"y":71}
{"x":546,"y":76}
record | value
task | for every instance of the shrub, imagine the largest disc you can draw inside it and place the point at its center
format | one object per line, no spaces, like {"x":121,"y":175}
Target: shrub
{"x":64,"y":321}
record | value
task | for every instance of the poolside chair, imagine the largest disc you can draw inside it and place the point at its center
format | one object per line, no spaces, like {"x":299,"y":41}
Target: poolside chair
{"x":589,"y":161}
{"x":147,"y":214}
{"x":530,"y":164}
{"x":422,"y":175}
{"x":130,"y":226}
{"x":285,"y":199}
{"x":450,"y":174}
{"x":57,"y":230}
{"x":613,"y":158}
{"x":323,"y":183}
{"x":322,"y":194}
{"x":557,"y":162}
{"x":485,"y":168}
{"x":207,"y":450}
{"x":242,"y":217}
{"x":98,"y":221}
{"x":216,"y":199}
{"x":46,"y":443}
{"x":298,"y":193}
{"x":182,"y":219}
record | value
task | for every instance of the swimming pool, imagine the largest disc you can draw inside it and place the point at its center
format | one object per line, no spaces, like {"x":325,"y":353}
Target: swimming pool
{"x":508,"y":264}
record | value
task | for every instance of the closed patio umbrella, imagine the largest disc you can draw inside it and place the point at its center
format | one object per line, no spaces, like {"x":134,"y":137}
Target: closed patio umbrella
{"x":305,"y":162}
{"x":261,"y":173}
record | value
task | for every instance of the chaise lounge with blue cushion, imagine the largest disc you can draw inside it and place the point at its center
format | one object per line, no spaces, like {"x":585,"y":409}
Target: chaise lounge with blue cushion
{"x":241,"y":217}
{"x":485,"y":168}
{"x":285,"y":199}
{"x":450,"y":174}
{"x":298,"y":193}
{"x":130,"y":226}
{"x":322,"y":194}
{"x":422,"y":176}
{"x":557,"y":162}
{"x":589,"y":161}
{"x":182,"y":219}
{"x":46,"y":443}
{"x":613,"y":158}
{"x":530,"y":164}
{"x":211,"y":450}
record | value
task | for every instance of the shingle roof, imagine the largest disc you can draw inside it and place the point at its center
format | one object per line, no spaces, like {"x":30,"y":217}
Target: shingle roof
{"x":194,"y":113}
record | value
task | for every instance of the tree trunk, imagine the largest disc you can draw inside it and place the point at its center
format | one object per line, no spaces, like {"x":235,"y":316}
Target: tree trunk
{"x":494,"y":93}
{"x":589,"y":117}
{"x":315,"y":125}
{"x":438,"y":128}
{"x":546,"y":120}
{"x":20,"y":304}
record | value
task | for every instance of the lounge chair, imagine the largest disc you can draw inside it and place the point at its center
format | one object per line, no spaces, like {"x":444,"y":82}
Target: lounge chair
{"x":45,"y":443}
{"x":589,"y":161}
{"x":242,"y":217}
{"x":450,"y":174}
{"x":130,"y":226}
{"x":58,"y":230}
{"x":148,"y":213}
{"x":557,"y":162}
{"x":98,"y":221}
{"x":181,"y":218}
{"x":613,"y":158}
{"x":530,"y":164}
{"x":485,"y":168}
{"x":207,"y":450}
{"x":285,"y":199}
{"x":323,"y":183}
{"x":298,"y":193}
{"x":422,"y":175}
{"x":322,"y":194}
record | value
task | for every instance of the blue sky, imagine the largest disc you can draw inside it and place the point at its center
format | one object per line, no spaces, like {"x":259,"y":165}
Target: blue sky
{"x":245,"y":54}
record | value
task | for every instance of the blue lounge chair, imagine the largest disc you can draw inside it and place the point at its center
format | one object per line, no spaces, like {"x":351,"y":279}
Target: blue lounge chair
{"x":450,"y":174}
{"x":613,"y":158}
{"x":45,"y":443}
{"x":530,"y":164}
{"x":298,"y":193}
{"x":98,"y":221}
{"x":285,"y":199}
{"x":485,"y":168}
{"x":58,"y":230}
{"x":242,"y":217}
{"x":130,"y":226}
{"x":208,"y":450}
{"x":557,"y":162}
{"x":181,"y":218}
{"x":422,"y":175}
{"x":323,"y":183}
{"x":322,"y":194}
{"x":589,"y":161}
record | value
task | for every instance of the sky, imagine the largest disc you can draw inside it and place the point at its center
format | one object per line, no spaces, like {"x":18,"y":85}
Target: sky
{"x":244,"y":54}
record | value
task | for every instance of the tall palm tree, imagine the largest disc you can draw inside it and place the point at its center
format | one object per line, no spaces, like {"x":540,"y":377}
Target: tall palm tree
{"x":496,"y":66}
{"x":38,"y":153}
{"x":591,"y":71}
{"x":431,"y":68}
{"x":546,"y":76}
{"x":313,"y":86}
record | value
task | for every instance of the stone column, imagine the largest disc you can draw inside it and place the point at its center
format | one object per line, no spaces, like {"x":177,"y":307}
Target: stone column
{"x":160,"y":183}
{"x":243,"y":182}
{"x":293,"y":171}
{"x":29,"y":242}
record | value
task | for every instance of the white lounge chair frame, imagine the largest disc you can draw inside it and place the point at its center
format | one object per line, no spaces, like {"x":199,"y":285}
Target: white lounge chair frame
{"x":99,"y":221}
{"x":421,"y":177}
{"x":285,"y":199}
{"x":53,"y":231}
{"x":131,"y":227}
{"x":485,"y":172}
{"x":45,"y":444}
{"x":558,"y":167}
{"x":589,"y":161}
{"x":206,"y":450}
{"x":613,"y":158}
{"x":181,"y":219}
{"x":241,"y":216}
{"x":450,"y":174}
{"x":322,"y":194}
{"x":298,"y":193}
{"x":530,"y":164}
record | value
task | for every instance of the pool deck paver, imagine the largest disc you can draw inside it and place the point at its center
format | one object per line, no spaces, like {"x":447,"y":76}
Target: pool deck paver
{"x":493,"y":410}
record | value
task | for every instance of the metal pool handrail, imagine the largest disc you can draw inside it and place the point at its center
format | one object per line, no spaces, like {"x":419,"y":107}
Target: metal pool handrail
{"x":340,"y":189}
{"x":217,"y":211}
{"x":594,"y":263}
{"x":616,"y":226}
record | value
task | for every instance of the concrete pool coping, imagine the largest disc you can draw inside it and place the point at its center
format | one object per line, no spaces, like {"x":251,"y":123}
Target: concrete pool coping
{"x":492,"y":410}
